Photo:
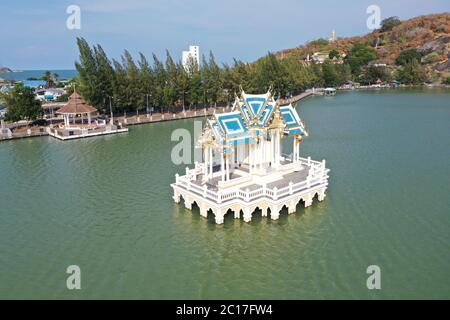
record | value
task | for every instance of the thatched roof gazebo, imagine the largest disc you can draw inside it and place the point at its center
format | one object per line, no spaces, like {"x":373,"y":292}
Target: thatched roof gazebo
{"x":76,"y":106}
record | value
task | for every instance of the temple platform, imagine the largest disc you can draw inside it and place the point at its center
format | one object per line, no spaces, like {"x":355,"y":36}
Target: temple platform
{"x":78,"y":132}
{"x":243,"y":166}
{"x":266,"y":188}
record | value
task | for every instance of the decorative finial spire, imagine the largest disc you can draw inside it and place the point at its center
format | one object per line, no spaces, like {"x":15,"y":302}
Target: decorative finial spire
{"x":241,"y":89}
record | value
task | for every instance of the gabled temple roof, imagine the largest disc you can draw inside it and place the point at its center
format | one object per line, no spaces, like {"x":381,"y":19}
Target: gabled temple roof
{"x":252,"y":114}
{"x":76,"y":105}
{"x":294,"y":124}
{"x":256,"y":102}
{"x":216,"y":131}
{"x":230,"y":128}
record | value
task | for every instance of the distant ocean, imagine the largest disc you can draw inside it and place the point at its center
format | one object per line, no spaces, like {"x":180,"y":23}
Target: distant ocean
{"x":25,"y":74}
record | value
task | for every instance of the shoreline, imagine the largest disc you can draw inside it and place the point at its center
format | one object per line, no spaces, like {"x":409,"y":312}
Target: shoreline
{"x":41,"y":131}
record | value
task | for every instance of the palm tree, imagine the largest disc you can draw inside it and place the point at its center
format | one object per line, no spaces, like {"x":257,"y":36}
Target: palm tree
{"x":48,"y":78}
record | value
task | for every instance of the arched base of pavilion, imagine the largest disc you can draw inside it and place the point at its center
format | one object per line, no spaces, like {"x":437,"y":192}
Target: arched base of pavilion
{"x":248,"y":208}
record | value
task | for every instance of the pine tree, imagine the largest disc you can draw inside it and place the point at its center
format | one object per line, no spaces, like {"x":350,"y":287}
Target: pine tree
{"x":160,"y":78}
{"x":133,"y":98}
{"x":105,"y":75}
{"x":88,"y":73}
{"x":146,"y":80}
{"x":171,"y":89}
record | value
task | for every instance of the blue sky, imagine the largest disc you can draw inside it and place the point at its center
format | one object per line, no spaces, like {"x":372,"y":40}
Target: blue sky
{"x":34,"y":33}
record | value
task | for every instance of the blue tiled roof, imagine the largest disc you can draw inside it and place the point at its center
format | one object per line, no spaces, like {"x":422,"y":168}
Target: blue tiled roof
{"x":293,"y":123}
{"x":265,"y":115}
{"x":232,"y":124}
{"x":216,"y":131}
{"x":250,"y":120}
{"x":256,"y":104}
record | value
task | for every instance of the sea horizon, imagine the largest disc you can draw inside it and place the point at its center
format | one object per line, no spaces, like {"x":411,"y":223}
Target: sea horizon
{"x":21,"y":75}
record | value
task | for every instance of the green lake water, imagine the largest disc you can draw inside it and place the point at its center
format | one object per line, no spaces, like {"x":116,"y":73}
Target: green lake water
{"x":105,"y":205}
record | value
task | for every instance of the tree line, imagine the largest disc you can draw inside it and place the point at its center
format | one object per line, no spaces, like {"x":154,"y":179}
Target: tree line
{"x":127,"y":84}
{"x":132,"y":85}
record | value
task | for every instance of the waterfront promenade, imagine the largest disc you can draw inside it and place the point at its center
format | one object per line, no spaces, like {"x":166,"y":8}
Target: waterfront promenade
{"x":127,"y":120}
{"x":298,"y":97}
{"x":24,"y":131}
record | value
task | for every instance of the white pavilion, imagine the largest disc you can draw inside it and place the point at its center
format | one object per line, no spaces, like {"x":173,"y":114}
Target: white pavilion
{"x":244,"y":167}
{"x":81,"y":121}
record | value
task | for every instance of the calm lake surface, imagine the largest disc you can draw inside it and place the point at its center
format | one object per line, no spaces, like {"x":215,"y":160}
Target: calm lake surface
{"x":105,"y":205}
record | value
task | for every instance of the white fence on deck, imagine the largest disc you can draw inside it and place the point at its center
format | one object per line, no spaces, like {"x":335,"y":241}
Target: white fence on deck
{"x":317,"y":175}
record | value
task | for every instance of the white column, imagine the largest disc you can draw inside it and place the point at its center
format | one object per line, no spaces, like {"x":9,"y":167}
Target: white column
{"x":89,"y":118}
{"x":272,"y":149}
{"x":250,"y":157}
{"x":205,"y":161}
{"x":275,"y":149}
{"x":222,"y":171}
{"x":294,"y":151}
{"x":260,"y":153}
{"x":227,"y":165}
{"x":211,"y":161}
{"x":263,"y":151}
{"x":278,"y":147}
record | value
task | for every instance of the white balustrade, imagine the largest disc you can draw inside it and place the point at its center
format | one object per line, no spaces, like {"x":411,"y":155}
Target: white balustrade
{"x":317,"y":175}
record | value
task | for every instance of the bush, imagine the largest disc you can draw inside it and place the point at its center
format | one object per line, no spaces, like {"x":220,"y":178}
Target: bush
{"x":372,"y":74}
{"x":407,"y":56}
{"x":389,"y":23}
{"x":431,"y":58}
{"x":412,"y":73}
{"x":360,"y":55}
{"x":320,"y":42}
{"x":333,"y":53}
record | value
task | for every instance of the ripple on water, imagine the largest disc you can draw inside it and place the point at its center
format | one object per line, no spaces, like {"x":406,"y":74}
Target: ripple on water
{"x":105,"y":204}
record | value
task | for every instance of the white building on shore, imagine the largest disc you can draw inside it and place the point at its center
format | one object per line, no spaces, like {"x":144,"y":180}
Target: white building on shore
{"x":193,"y":53}
{"x":252,"y":171}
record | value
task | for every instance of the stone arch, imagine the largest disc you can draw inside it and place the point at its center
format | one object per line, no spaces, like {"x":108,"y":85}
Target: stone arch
{"x":210,"y":214}
{"x":194,"y":204}
{"x":284,"y":209}
{"x":228,"y":213}
{"x":300,"y":203}
{"x":257,"y":212}
{"x":316,"y":195}
{"x":307,"y":198}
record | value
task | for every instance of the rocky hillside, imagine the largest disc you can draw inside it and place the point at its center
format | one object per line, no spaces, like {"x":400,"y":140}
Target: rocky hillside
{"x":4,"y":69}
{"x":429,"y":35}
